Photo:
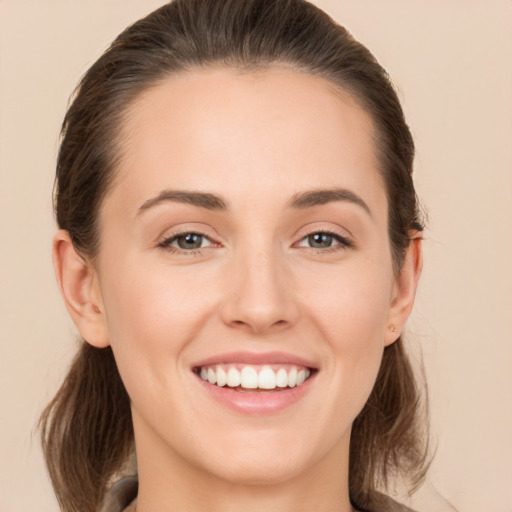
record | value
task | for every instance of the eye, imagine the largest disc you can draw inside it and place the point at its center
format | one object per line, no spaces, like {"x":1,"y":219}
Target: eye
{"x":186,"y":242}
{"x":324,"y":240}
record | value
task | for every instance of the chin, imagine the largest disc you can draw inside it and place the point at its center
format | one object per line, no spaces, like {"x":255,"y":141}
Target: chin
{"x":273,"y":470}
{"x":268,"y":457}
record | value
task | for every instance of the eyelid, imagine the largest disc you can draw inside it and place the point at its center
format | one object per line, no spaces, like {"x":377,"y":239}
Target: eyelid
{"x":171,"y":239}
{"x":165,"y":242}
{"x":343,"y":241}
{"x":341,"y":233}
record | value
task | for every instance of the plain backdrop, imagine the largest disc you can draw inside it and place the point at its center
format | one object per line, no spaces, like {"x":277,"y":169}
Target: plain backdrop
{"x":451,"y":61}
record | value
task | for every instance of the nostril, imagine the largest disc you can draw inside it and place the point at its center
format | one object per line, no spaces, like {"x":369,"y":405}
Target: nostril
{"x":259,"y":326}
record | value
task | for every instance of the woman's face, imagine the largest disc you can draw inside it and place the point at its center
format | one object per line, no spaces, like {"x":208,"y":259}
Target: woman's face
{"x":246,"y":233}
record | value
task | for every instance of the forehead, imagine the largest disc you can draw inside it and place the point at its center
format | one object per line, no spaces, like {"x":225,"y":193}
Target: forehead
{"x":260,"y":132}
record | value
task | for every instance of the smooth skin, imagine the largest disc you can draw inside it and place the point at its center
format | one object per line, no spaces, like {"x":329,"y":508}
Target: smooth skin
{"x":264,"y":272}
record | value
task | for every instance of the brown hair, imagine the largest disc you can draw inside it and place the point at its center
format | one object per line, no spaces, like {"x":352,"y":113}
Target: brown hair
{"x":87,"y":431}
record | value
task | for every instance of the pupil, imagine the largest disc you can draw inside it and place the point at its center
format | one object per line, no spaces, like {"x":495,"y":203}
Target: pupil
{"x":190,"y":241}
{"x":320,"y":240}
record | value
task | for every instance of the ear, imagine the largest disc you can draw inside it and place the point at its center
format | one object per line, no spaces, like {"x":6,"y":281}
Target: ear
{"x":79,"y":286}
{"x":404,"y":290}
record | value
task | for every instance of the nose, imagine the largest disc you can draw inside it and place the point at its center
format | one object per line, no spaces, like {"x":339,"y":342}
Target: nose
{"x":260,"y":296}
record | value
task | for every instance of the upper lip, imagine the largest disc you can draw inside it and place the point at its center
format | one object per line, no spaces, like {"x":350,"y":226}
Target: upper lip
{"x":256,"y":358}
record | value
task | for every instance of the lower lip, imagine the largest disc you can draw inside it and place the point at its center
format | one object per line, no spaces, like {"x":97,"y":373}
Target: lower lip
{"x":257,"y":403}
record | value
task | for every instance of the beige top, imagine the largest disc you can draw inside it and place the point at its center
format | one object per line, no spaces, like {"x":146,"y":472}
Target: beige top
{"x":121,"y":498}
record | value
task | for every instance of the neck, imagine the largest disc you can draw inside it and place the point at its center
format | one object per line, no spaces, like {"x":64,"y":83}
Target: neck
{"x":214,"y":495}
{"x":169,"y":482}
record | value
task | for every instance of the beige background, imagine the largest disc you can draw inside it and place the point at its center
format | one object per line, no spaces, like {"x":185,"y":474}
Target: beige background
{"x":451,"y":60}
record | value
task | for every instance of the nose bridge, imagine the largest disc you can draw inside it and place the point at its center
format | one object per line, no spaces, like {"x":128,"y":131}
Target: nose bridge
{"x":259,"y":298}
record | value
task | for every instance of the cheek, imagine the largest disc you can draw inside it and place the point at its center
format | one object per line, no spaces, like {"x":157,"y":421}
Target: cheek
{"x":150,"y":316}
{"x":155,"y":314}
{"x":351,"y":314}
{"x":353,"y":304}
{"x":149,"y":301}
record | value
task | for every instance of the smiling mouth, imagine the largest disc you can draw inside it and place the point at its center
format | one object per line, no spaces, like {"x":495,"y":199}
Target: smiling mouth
{"x":255,"y":378}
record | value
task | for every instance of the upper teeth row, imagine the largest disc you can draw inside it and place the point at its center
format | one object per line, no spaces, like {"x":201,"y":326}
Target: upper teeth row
{"x":250,"y":378}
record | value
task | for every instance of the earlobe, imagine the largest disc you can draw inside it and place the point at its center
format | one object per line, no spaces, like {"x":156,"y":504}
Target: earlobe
{"x":78,"y":284}
{"x":405,"y":289}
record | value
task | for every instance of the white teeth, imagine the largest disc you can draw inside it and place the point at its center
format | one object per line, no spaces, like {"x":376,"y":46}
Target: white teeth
{"x":212,"y":376}
{"x":249,"y":378}
{"x":267,"y":378}
{"x":252,"y":378}
{"x":221,"y":377}
{"x":292,"y":378}
{"x":282,"y":378}
{"x":233,"y":378}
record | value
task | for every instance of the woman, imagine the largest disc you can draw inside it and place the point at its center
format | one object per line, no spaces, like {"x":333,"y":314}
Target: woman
{"x":239,"y":247}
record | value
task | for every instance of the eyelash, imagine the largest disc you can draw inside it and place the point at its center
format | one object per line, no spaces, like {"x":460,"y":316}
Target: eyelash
{"x":166,"y":244}
{"x":343,"y":242}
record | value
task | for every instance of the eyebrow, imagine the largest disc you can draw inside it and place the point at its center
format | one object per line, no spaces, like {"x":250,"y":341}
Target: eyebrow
{"x":301,"y":200}
{"x":201,"y":199}
{"x":311,"y":198}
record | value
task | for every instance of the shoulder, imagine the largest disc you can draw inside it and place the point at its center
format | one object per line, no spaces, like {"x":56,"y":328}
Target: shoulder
{"x":383,"y":503}
{"x":391,"y":505}
{"x":120,"y":495}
